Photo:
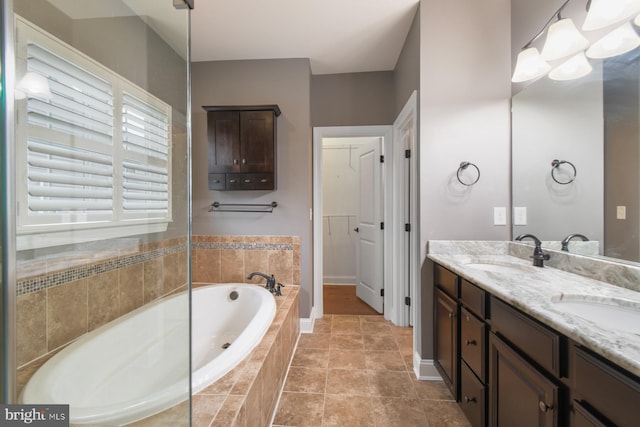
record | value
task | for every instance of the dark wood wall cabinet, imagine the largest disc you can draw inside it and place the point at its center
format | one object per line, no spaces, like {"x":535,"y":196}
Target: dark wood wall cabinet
{"x":506,"y":368}
{"x":242,"y":147}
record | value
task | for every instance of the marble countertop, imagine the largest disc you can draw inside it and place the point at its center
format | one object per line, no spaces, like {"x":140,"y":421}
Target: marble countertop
{"x":536,"y":291}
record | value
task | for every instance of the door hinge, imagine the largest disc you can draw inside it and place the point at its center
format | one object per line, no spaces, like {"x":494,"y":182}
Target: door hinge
{"x":407,"y":300}
{"x":407,"y":154}
{"x":382,"y":226}
{"x":407,"y":227}
{"x":382,"y":292}
{"x":381,"y":159}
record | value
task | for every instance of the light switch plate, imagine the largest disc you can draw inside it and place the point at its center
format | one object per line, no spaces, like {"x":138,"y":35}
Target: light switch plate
{"x":621,"y":212}
{"x":500,"y":215}
{"x":520,"y":215}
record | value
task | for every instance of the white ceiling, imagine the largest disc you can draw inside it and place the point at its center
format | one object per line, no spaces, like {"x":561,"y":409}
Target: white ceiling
{"x":338,"y":36}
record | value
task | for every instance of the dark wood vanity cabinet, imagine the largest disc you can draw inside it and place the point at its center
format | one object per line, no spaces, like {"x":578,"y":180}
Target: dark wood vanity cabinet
{"x":242,"y":147}
{"x":446,"y":312}
{"x":507,"y":369}
{"x":603,"y":394}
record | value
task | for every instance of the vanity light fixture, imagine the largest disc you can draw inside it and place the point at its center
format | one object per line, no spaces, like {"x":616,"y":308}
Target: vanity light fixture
{"x":619,"y":41}
{"x":563,"y":40}
{"x":574,"y":68}
{"x":529,"y":66}
{"x":603,"y":13}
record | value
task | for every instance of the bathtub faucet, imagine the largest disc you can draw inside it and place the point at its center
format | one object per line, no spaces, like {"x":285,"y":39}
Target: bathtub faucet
{"x":271,"y":284}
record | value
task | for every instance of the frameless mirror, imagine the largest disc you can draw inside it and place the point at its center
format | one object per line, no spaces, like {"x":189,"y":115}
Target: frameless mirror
{"x":576,"y":157}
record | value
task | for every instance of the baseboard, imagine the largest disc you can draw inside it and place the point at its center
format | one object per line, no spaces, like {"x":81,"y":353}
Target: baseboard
{"x":425,"y":369}
{"x":339,"y":280}
{"x":306,"y":323}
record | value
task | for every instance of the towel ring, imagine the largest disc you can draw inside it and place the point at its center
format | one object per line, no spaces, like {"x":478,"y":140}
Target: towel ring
{"x":555,"y":164}
{"x":463,"y":166}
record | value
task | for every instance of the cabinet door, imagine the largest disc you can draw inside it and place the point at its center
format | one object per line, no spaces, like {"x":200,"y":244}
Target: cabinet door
{"x":223,"y":132}
{"x":257,"y":135}
{"x":520,"y":395}
{"x":446,"y":340}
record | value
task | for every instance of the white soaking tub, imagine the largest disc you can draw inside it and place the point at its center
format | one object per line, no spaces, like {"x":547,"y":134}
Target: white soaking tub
{"x":137,"y":365}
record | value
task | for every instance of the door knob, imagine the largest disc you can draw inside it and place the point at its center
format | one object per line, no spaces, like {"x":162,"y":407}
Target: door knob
{"x":357,"y":229}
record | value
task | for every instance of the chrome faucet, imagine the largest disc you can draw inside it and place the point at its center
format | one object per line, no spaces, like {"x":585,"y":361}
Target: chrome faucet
{"x":539,"y":257}
{"x":566,"y":240}
{"x":271,"y":284}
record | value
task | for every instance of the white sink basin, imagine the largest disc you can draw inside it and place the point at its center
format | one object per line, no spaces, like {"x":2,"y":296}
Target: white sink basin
{"x":615,"y":313}
{"x":502,"y":267}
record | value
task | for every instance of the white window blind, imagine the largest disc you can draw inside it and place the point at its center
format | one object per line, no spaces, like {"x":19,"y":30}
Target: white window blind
{"x":95,"y":157}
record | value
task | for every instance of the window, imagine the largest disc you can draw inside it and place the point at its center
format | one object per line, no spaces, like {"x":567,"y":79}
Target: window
{"x":94,"y":158}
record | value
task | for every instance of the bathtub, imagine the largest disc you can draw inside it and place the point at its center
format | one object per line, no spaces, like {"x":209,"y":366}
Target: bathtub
{"x":136,"y":365}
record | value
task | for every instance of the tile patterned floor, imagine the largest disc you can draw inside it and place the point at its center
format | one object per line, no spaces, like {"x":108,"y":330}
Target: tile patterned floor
{"x":357,"y":371}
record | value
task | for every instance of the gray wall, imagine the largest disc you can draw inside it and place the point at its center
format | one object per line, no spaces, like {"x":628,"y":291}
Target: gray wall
{"x":464,"y":116}
{"x":352,"y":99}
{"x":406,"y":76}
{"x":285,"y":82}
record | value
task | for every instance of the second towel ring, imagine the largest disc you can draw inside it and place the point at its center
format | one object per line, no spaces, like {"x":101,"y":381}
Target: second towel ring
{"x":463,"y":166}
{"x":555,"y":164}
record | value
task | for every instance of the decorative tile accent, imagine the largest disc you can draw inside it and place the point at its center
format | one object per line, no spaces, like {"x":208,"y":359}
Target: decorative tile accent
{"x":38,"y":283}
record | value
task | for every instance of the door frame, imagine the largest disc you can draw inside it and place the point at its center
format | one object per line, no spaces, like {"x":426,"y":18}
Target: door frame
{"x":319,"y":133}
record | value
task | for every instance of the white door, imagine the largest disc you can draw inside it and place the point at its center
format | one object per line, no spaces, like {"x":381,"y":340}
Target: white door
{"x":369,"y":254}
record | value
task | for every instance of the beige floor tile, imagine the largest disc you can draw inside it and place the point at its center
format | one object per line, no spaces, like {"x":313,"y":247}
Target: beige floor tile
{"x":391,"y":384}
{"x":347,"y":359}
{"x":341,"y":327}
{"x":385,"y":360}
{"x":391,"y":412}
{"x":432,"y":390}
{"x":353,"y":412}
{"x":373,"y":327}
{"x":311,"y":358}
{"x":348,"y":382}
{"x":444,"y":414}
{"x":380,"y":342}
{"x":347,"y":342}
{"x":306,"y":380}
{"x":300,"y":410}
{"x":314,"y":341}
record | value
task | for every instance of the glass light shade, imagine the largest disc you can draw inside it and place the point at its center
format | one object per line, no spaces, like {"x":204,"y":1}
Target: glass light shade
{"x":33,"y":84}
{"x":529,"y":65}
{"x":619,"y":41}
{"x":563,"y":39}
{"x":603,"y":13}
{"x":574,"y":68}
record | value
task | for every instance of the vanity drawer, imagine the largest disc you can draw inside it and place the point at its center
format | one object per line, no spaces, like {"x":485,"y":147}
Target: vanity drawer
{"x":612,"y":393}
{"x":446,"y":280}
{"x":250,"y":181}
{"x":473,"y":297}
{"x":540,"y":343}
{"x":473,"y":342}
{"x":472,"y":397}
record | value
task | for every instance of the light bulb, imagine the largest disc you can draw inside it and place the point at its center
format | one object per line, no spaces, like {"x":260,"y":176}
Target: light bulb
{"x":563,"y":39}
{"x":619,"y":41}
{"x":529,"y":65}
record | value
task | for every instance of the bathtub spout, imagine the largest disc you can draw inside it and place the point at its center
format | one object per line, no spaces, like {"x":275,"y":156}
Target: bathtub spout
{"x":271,"y":281}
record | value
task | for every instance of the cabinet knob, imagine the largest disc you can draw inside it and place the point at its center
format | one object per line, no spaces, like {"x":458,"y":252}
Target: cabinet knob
{"x":470,"y":399}
{"x":263,"y":180}
{"x":247,"y":181}
{"x":244,"y":161}
{"x":470,"y":342}
{"x":217,"y":181}
{"x":451,"y":315}
{"x":233,"y":181}
{"x":235,"y":161}
{"x":544,"y":407}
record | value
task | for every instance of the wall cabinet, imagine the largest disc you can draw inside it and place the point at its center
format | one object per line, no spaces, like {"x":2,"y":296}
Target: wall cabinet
{"x":506,"y":368}
{"x":242,"y":147}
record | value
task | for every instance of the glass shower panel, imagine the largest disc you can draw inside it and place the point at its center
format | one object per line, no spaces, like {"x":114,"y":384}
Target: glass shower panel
{"x":102,"y":200}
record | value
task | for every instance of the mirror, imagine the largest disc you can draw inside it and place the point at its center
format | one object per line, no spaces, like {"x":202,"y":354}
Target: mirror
{"x":576,"y":158}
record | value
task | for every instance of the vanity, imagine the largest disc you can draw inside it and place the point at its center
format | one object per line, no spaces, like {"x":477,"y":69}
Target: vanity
{"x":520,"y":345}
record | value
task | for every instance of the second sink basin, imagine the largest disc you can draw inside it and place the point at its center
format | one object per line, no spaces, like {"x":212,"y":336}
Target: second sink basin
{"x":616,"y":313}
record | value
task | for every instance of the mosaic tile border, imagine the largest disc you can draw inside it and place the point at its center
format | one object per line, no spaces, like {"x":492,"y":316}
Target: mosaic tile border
{"x":251,"y":246}
{"x":43,"y":282}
